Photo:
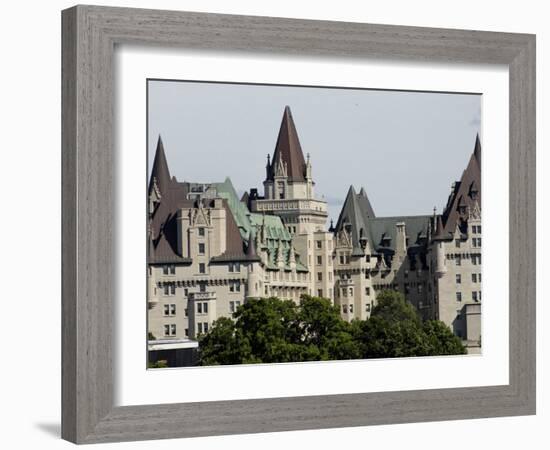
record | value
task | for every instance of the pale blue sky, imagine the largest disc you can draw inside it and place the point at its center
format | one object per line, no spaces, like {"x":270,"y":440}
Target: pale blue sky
{"x":405,"y":148}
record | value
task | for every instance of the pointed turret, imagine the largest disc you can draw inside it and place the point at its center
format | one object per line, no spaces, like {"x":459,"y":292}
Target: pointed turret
{"x":477,"y":150}
{"x":352,"y":219}
{"x":160,"y":174}
{"x":439,"y":233}
{"x":292,"y":257}
{"x":365,"y":203}
{"x":280,"y":254}
{"x":288,"y":150}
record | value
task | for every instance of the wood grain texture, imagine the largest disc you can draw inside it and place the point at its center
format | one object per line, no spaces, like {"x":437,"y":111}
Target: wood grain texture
{"x":89,"y":36}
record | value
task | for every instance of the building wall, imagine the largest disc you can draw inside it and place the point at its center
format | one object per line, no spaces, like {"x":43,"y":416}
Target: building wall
{"x":460,"y":283}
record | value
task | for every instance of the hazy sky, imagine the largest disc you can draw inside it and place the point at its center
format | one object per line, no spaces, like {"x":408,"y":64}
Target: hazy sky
{"x":405,"y":148}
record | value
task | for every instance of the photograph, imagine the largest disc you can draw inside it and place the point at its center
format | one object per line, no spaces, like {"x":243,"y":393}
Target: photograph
{"x":293,"y":223}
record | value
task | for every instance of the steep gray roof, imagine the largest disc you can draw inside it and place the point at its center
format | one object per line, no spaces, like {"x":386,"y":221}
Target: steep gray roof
{"x":465,"y":195}
{"x":289,"y":150}
{"x":163,"y":238}
{"x":384,"y":228}
{"x":357,"y":215}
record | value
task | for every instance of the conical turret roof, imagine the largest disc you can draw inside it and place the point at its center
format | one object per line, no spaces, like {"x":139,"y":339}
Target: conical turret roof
{"x":160,"y":172}
{"x":288,"y":150}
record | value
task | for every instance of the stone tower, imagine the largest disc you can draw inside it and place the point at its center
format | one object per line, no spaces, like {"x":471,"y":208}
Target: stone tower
{"x":289,"y":194}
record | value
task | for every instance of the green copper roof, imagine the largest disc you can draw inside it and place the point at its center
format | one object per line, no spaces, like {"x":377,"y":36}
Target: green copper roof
{"x":274,"y":230}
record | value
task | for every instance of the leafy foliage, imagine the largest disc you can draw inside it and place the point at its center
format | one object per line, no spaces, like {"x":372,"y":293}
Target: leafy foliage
{"x":272,"y":331}
{"x":160,"y":364}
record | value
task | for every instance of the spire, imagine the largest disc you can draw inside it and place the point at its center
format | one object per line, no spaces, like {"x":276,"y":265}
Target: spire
{"x":292,"y":257}
{"x":477,"y":150}
{"x":353,"y":217}
{"x":439,"y":228}
{"x":280,"y":254}
{"x":288,"y":150}
{"x":365,"y":203}
{"x":160,"y":171}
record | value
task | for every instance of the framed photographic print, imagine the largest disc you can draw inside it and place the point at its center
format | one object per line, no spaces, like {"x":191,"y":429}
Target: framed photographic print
{"x":277,"y":224}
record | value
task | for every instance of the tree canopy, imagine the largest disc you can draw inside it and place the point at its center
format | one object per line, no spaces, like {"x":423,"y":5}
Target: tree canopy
{"x":270,"y":330}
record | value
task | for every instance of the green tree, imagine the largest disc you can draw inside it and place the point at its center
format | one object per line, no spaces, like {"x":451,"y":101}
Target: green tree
{"x":272,"y":330}
{"x":396,"y":330}
{"x":323,"y":328}
{"x":441,"y":339}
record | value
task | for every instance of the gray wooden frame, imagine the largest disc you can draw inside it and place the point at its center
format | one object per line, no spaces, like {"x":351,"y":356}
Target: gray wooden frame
{"x":89,"y":36}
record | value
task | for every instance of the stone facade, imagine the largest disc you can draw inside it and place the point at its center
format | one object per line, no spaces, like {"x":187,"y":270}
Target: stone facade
{"x":209,"y":251}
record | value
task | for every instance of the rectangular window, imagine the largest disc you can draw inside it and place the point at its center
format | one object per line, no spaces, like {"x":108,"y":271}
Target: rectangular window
{"x":202,"y":268}
{"x":319,"y":276}
{"x":319,"y":293}
{"x":202,"y":287}
{"x":342,"y":259}
{"x":350,"y":291}
{"x":231,"y":307}
{"x":199,"y":327}
{"x":165,"y":270}
{"x":205,"y":327}
{"x":345,"y":309}
{"x":170,"y":289}
{"x":234,"y":286}
{"x":479,"y":277}
{"x":474,"y":296}
{"x":474,"y":278}
{"x":459,"y":296}
{"x":170,"y":330}
{"x":367,"y":258}
{"x":350,"y":308}
{"x":205,"y":307}
{"x":199,"y":308}
{"x":201,"y":248}
{"x":479,"y":295}
{"x":458,"y":278}
{"x":367,"y":291}
{"x":458,"y":261}
{"x":367,"y":308}
{"x":172,"y":269}
{"x":201,"y":231}
{"x":457,"y":243}
{"x":186,"y":312}
{"x":187,"y":332}
{"x":319,"y":244}
{"x":234,"y":267}
{"x":319,"y":260}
